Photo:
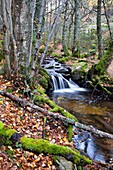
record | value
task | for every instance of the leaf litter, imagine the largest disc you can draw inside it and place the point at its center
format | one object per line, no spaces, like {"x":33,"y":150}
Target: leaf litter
{"x":31,"y":124}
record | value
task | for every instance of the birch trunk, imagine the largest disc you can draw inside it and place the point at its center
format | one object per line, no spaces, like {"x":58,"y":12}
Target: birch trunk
{"x":76,"y":27}
{"x":38,"y":38}
{"x":6,"y":37}
{"x":23,"y":29}
{"x":99,"y":31}
{"x":31,"y":34}
{"x":50,"y":35}
{"x":64,"y":30}
{"x":13,"y":49}
{"x":107,"y":19}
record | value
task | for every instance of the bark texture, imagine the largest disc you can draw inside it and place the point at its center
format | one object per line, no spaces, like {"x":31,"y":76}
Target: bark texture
{"x":23,"y":28}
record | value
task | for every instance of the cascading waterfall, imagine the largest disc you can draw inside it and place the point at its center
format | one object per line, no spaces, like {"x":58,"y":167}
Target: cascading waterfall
{"x":55,"y":84}
{"x":59,"y":82}
{"x":55,"y":70}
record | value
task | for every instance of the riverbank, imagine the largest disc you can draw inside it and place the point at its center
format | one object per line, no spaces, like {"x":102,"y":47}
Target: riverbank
{"x":31,"y":124}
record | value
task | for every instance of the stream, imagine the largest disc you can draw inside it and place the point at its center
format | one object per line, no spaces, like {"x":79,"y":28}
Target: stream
{"x":88,"y":111}
{"x":97,"y":148}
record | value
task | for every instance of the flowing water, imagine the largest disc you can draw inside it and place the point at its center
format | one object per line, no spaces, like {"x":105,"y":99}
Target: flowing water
{"x":79,"y":102}
{"x":100,"y":115}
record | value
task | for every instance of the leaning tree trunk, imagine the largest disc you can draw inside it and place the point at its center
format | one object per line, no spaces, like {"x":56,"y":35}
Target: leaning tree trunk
{"x":107,"y":19}
{"x":50,"y":35}
{"x":38,"y":37}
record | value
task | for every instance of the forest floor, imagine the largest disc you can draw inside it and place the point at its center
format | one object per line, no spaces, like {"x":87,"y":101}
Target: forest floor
{"x":31,"y":125}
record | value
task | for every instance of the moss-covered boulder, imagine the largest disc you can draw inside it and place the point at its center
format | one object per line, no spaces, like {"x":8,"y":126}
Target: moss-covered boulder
{"x":79,"y":70}
{"x":43,"y":78}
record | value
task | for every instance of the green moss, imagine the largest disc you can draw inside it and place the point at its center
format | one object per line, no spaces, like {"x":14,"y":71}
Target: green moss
{"x":5,"y":134}
{"x":63,"y":112}
{"x":70,"y":132}
{"x":76,"y":53}
{"x":42,"y":50}
{"x":1,"y":125}
{"x":10,"y":152}
{"x":44,"y":146}
{"x":105,"y":60}
{"x":54,"y":106}
{"x":40,"y":91}
{"x":6,"y":131}
{"x":84,"y":55}
{"x":43,"y":78}
{"x":54,"y":54}
{"x":63,"y":59}
{"x":9,"y":133}
{"x":9,"y":90}
{"x":79,"y":167}
{"x":44,"y":99}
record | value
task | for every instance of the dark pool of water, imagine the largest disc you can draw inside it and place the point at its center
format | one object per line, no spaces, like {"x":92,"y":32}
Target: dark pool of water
{"x":89,"y":112}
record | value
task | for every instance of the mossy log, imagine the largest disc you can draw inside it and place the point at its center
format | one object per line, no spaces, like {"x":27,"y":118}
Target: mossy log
{"x":67,"y":120}
{"x":54,"y":107}
{"x":42,"y":146}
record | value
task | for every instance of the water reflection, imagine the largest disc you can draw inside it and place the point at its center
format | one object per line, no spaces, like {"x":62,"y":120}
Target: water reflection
{"x":98,"y":114}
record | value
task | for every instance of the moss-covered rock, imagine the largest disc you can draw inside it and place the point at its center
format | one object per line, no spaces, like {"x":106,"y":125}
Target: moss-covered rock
{"x":43,"y":78}
{"x":105,"y":60}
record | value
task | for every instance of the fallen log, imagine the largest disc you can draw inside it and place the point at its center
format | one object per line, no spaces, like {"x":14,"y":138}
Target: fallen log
{"x":90,"y":128}
{"x":25,"y":103}
{"x":42,"y":146}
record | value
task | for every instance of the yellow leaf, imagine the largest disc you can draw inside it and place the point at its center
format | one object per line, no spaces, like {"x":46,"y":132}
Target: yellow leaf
{"x":64,"y":139}
{"x":1,"y":102}
{"x":8,"y":83}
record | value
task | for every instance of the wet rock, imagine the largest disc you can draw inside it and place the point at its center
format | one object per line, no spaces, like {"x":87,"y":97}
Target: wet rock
{"x":64,"y":164}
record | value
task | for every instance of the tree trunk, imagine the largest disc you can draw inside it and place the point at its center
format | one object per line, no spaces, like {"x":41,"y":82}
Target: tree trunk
{"x":99,"y":31}
{"x":50,"y":35}
{"x":6,"y":36}
{"x":64,"y":45}
{"x":76,"y":50}
{"x":23,"y":17}
{"x":107,"y":19}
{"x":38,"y":37}
{"x":17,"y":19}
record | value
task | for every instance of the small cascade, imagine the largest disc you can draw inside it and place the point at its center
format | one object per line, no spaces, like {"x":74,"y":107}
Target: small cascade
{"x":55,"y":84}
{"x":57,"y":71}
{"x":59,"y":82}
